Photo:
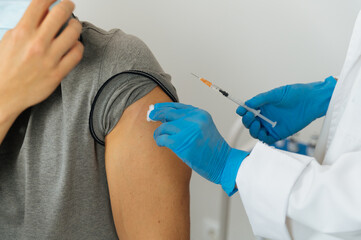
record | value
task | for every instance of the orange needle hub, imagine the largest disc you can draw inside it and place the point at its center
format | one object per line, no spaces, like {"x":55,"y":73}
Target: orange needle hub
{"x":208,"y":83}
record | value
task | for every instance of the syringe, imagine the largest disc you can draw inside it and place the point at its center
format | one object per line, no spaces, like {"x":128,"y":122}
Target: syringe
{"x":257,"y":113}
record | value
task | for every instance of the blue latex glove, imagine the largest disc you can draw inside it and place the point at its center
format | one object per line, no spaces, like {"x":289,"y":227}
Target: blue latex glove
{"x":191,"y":134}
{"x":293,"y":107}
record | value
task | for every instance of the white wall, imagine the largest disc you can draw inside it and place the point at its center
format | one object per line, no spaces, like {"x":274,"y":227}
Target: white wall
{"x":246,"y":46}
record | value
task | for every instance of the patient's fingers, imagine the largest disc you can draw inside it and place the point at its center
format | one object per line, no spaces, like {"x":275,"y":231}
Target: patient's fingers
{"x":35,"y":13}
{"x":70,"y":60}
{"x":66,"y":40}
{"x":56,"y":18}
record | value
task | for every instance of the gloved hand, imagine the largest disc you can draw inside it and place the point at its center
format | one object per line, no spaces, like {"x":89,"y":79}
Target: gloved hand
{"x":191,"y":134}
{"x":293,"y":107}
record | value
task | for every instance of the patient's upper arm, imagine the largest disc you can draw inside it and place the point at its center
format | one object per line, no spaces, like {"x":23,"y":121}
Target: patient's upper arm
{"x":148,"y":185}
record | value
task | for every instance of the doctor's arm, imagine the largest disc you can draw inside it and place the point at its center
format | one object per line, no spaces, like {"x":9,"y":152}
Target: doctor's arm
{"x":148,"y":185}
{"x":276,"y":186}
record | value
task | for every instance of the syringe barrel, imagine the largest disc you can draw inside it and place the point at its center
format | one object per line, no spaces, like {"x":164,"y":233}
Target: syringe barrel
{"x":257,"y":113}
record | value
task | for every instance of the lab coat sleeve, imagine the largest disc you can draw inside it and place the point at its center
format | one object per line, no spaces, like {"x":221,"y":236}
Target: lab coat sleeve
{"x":276,"y":185}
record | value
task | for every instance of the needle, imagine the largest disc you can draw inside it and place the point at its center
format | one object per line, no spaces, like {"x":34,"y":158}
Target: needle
{"x":257,"y":113}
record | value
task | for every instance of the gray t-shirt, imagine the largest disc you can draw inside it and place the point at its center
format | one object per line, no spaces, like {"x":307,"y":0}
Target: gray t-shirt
{"x":52,"y":172}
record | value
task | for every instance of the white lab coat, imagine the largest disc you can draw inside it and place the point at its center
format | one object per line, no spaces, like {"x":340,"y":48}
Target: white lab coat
{"x":289,"y":196}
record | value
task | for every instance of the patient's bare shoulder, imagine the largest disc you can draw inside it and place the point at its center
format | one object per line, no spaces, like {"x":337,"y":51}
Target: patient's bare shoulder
{"x":148,"y":185}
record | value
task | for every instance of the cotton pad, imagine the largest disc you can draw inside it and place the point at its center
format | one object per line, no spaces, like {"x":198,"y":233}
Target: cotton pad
{"x":151,"y":108}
